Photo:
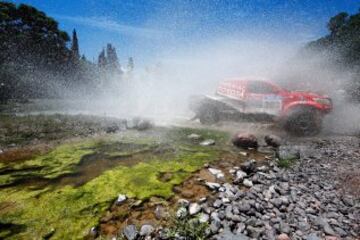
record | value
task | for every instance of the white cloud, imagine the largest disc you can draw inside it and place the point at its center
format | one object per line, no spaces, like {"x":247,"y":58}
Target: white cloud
{"x":112,"y":26}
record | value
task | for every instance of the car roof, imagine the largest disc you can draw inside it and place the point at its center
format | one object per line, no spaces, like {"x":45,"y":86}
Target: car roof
{"x":246,"y":79}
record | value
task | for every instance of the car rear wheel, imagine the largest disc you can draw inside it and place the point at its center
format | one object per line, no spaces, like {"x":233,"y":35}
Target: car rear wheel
{"x":304,"y":122}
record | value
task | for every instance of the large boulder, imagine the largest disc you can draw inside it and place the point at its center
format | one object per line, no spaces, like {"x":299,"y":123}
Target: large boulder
{"x":245,"y":140}
{"x":273,"y":140}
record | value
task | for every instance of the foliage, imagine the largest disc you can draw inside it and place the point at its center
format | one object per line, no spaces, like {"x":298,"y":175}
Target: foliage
{"x":190,"y":228}
{"x":343,"y":44}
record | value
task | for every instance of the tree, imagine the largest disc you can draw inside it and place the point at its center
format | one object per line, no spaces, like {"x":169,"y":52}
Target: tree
{"x":30,"y":43}
{"x":112,"y":59}
{"x":130,"y":66}
{"x":343,"y":44}
{"x":102,"y":61}
{"x":75,"y":46}
{"x":337,"y":22}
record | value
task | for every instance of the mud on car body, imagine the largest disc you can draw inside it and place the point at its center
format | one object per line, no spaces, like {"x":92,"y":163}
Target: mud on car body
{"x":299,"y":113}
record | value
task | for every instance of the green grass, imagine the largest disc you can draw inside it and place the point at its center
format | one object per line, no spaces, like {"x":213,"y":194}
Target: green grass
{"x":72,"y":211}
{"x":286,"y":163}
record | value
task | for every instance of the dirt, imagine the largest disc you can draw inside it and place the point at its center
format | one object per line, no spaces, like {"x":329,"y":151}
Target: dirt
{"x":193,"y":189}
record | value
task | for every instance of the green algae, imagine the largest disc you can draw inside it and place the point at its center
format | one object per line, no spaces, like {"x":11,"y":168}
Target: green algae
{"x":71,"y":211}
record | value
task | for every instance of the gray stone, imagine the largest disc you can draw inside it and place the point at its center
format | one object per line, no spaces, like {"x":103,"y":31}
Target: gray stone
{"x":244,"y":207}
{"x":273,"y":140}
{"x":121,"y":199}
{"x":146,"y":230}
{"x":249,"y":166}
{"x":228,"y":235}
{"x":284,"y":227}
{"x":312,"y":236}
{"x":194,"y":136}
{"x":214,"y":171}
{"x":255,"y":232}
{"x":130,"y":232}
{"x":194,"y":208}
{"x":245,"y":140}
{"x":204,"y":218}
{"x":247,"y":183}
{"x":183,"y":203}
{"x":208,"y":142}
{"x":212,"y":185}
{"x":217,"y":203}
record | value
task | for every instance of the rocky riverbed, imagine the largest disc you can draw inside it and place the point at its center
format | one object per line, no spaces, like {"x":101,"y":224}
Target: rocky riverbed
{"x":315,"y":197}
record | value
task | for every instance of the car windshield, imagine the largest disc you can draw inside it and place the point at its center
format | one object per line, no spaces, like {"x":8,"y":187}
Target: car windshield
{"x":260,"y":87}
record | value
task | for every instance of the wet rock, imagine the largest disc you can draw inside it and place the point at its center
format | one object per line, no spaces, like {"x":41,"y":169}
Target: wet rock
{"x":143,"y":124}
{"x":328,"y":230}
{"x":284,"y":227}
{"x":245,"y":140}
{"x":112,"y":129}
{"x":160,"y":212}
{"x":194,"y":136}
{"x":212,"y":185}
{"x":204,"y":218}
{"x":215,"y":225}
{"x":217,"y":203}
{"x":228,"y":235}
{"x":92,"y":233}
{"x":240,"y":175}
{"x":244,"y":207}
{"x":249,"y":166}
{"x":283,"y":236}
{"x":146,"y":230}
{"x":208,"y":142}
{"x":183,"y":203}
{"x":194,"y":208}
{"x":130,"y":232}
{"x":288,"y":153}
{"x":214,"y":171}
{"x":217,"y":173}
{"x":247,"y":183}
{"x":273,"y":140}
{"x":263,"y":169}
{"x":312,"y":236}
{"x":121,"y":199}
{"x":254,"y":232}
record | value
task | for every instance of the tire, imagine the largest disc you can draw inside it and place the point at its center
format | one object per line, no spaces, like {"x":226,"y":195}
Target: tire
{"x":208,"y":114}
{"x":304,"y":122}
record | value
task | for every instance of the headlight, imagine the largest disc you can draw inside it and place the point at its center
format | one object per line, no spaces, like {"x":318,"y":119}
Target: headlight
{"x":323,"y":101}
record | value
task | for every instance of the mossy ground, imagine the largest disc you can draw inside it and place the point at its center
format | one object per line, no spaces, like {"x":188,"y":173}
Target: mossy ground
{"x":68,"y":212}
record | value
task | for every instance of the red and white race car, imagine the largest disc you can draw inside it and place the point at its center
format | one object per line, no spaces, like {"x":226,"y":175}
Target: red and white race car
{"x":298,"y":112}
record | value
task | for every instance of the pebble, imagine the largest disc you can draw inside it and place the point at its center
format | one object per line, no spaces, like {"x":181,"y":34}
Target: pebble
{"x":208,"y":142}
{"x":130,"y":232}
{"x":146,"y":230}
{"x":283,"y":236}
{"x":121,"y":199}
{"x":247,"y":183}
{"x":194,"y":208}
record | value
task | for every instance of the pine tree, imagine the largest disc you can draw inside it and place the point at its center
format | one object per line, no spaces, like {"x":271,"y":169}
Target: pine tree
{"x":112,"y":59}
{"x":75,"y":46}
{"x":130,"y":66}
{"x":102,"y":62}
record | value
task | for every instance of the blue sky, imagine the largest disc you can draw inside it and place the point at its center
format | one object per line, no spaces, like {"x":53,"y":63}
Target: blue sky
{"x":143,"y":28}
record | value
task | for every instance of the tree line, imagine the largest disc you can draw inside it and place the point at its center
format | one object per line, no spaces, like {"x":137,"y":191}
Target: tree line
{"x":342,"y":47}
{"x":38,"y":60}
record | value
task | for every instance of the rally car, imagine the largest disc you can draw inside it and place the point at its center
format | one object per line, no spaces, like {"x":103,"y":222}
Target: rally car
{"x":298,"y":112}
